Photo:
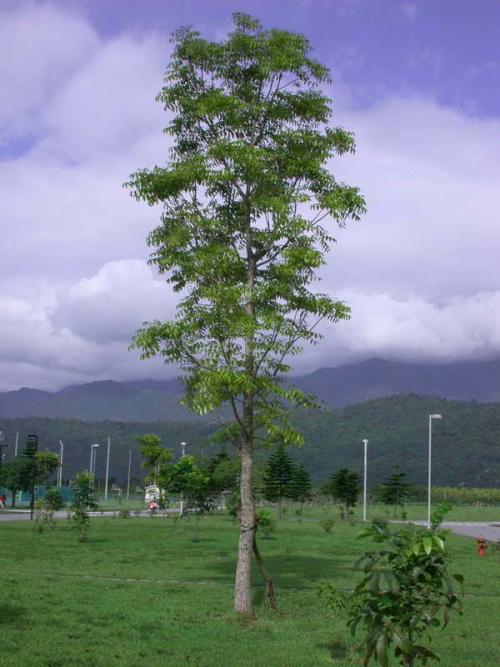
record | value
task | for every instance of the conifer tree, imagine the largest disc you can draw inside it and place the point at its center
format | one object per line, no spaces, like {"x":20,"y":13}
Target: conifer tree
{"x":279,"y":476}
{"x":344,"y":486}
{"x":301,"y":485}
{"x":394,"y":490}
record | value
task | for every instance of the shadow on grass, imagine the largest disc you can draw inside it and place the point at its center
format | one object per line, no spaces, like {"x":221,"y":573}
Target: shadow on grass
{"x":287,"y":571}
{"x":12,"y":614}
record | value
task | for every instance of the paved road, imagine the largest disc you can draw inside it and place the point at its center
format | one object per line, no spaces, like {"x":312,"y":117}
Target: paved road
{"x":24,"y":515}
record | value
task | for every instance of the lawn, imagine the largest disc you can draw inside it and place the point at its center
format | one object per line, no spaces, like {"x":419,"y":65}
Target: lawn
{"x":142,"y":592}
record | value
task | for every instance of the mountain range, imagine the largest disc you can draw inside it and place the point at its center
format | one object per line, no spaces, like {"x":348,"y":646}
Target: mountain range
{"x":152,"y":400}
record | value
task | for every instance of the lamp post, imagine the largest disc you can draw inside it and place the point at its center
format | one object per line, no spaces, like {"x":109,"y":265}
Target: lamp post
{"x":92,"y":458}
{"x":61,"y":457}
{"x":2,"y":446}
{"x":183,"y":445}
{"x":129,"y":469}
{"x":107,"y":470}
{"x":431,"y":417}
{"x":365,"y":442}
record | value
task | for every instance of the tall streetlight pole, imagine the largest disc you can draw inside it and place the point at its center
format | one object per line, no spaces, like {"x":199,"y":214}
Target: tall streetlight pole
{"x":129,"y":469}
{"x":61,"y":457}
{"x":2,"y":446}
{"x":365,"y":442}
{"x":431,"y":417}
{"x":92,"y":458}
{"x":183,"y":446}
{"x":107,"y":470}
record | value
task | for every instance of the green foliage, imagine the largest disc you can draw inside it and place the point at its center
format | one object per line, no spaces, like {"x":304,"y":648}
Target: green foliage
{"x":439,"y":513}
{"x":82,"y":502}
{"x":53,"y":498}
{"x":279,"y":475}
{"x":406,"y":590}
{"x":394,"y":490}
{"x":156,"y":459}
{"x":187,"y":478}
{"x":44,"y":516}
{"x":243,"y":198}
{"x":266,"y":521}
{"x":13,"y":475}
{"x":343,"y":486}
{"x":301,"y":485}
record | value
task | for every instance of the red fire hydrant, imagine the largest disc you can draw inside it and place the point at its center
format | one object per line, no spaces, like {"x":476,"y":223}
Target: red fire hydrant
{"x":481,"y":545}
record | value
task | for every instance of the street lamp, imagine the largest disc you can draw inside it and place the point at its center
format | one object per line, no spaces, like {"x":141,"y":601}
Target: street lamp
{"x":365,"y":442}
{"x":431,"y":417}
{"x":92,"y":458}
{"x":61,"y":457}
{"x":3,"y":444}
{"x":183,"y":445}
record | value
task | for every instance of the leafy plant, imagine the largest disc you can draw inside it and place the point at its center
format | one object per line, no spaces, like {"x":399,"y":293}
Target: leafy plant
{"x":82,"y":502}
{"x":241,"y":235}
{"x":266,"y":521}
{"x":394,"y":490}
{"x":44,"y":516}
{"x":439,"y":514}
{"x":54,"y":499}
{"x":344,"y":486}
{"x":406,"y":591}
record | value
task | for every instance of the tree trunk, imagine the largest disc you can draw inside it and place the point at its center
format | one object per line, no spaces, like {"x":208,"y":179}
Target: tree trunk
{"x":242,"y":584}
{"x":271,"y":597}
{"x":13,"y":502}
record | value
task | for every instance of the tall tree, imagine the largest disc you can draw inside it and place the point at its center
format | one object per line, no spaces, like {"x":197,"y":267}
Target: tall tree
{"x":343,"y":486}
{"x":38,"y":466}
{"x":279,"y":476}
{"x":301,"y":485}
{"x":394,"y":490}
{"x":241,"y":233}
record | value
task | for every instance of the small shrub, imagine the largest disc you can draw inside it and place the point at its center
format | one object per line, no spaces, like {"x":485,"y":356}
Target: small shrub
{"x":124,"y":513}
{"x":44,"y":516}
{"x":265,"y":521}
{"x":54,"y":499}
{"x":327,"y":524}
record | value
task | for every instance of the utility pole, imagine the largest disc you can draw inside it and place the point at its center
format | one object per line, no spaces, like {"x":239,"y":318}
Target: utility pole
{"x":365,"y":442}
{"x":429,"y":472}
{"x":107,"y":470}
{"x":17,"y":444}
{"x":129,"y":469}
{"x":3,"y":444}
{"x":61,"y":457}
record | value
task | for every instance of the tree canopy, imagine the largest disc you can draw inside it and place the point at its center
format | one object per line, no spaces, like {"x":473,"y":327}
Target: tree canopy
{"x":244,"y":195}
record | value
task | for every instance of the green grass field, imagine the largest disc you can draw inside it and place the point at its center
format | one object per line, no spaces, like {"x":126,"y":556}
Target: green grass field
{"x":142,"y":592}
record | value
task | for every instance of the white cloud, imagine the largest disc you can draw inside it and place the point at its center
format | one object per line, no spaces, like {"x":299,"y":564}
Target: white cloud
{"x":41,"y":48}
{"x":420,"y":272}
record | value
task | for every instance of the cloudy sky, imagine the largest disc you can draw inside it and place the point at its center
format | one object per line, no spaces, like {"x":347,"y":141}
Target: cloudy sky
{"x":418,"y":83}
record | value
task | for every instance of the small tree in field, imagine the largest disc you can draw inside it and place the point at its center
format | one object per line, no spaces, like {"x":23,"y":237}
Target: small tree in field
{"x":394,"y":490}
{"x":241,"y":235}
{"x":279,"y":476}
{"x":406,"y":590}
{"x":82,"y":502}
{"x":157,"y":460}
{"x":301,"y":485}
{"x":343,"y":486}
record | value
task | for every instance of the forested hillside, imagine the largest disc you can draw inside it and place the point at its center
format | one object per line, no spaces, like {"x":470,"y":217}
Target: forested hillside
{"x":466,"y":442}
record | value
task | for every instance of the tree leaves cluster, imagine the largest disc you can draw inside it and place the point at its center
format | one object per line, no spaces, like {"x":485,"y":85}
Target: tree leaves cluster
{"x":344,"y":486}
{"x":283,"y":478}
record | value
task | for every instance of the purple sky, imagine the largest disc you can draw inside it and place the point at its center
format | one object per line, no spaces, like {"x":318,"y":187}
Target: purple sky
{"x":418,"y":83}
